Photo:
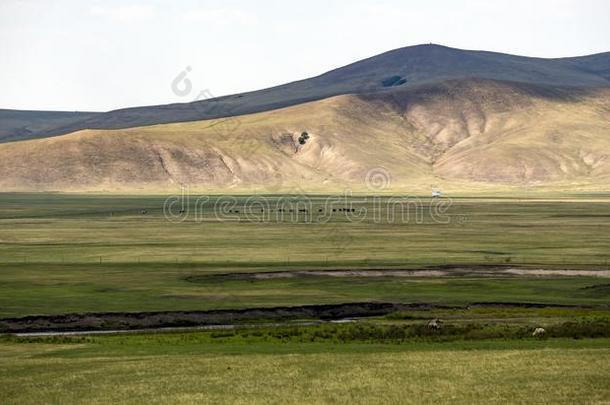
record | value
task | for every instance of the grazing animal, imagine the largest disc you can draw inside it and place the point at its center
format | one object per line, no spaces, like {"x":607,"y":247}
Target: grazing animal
{"x":143,"y":212}
{"x":435,"y":324}
{"x":539,"y":332}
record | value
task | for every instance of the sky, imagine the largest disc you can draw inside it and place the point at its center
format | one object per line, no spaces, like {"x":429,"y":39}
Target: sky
{"x":103,"y":55}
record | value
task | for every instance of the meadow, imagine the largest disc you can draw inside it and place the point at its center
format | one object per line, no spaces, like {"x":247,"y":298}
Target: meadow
{"x":82,"y":253}
{"x":87,"y":229}
{"x":89,"y":253}
{"x":203,"y":367}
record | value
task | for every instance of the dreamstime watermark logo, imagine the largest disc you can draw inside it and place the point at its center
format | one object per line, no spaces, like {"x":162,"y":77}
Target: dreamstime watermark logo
{"x":182,"y":85}
{"x":306,"y":209}
{"x":206,"y":104}
{"x":179,"y":208}
{"x":378,"y":179}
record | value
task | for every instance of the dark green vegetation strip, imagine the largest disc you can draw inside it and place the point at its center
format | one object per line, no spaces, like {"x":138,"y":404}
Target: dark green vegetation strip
{"x":175,"y":319}
{"x":460,"y":329}
{"x":54,"y":289}
{"x":479,"y":355}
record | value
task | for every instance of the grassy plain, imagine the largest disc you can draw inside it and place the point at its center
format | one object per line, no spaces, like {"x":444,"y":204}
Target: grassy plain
{"x":192,"y":368}
{"x":86,"y":253}
{"x":81,"y":253}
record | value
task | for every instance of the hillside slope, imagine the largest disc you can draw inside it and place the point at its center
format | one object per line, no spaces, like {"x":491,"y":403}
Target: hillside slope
{"x":458,"y":135}
{"x":404,"y":67}
{"x":17,"y":125}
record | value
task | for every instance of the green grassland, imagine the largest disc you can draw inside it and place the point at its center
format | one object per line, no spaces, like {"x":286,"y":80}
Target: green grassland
{"x":56,"y":290}
{"x":88,"y":253}
{"x":80,"y":253}
{"x":279,"y":367}
{"x":82,"y":229}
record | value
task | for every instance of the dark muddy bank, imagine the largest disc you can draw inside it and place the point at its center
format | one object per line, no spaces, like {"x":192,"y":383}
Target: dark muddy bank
{"x":117,"y":321}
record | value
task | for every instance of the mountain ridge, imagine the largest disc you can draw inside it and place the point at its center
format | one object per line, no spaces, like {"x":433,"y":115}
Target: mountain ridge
{"x":416,"y":65}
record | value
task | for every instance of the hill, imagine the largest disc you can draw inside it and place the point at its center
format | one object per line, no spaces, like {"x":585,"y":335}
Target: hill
{"x":18,"y":125}
{"x":405,"y":67}
{"x":458,"y":135}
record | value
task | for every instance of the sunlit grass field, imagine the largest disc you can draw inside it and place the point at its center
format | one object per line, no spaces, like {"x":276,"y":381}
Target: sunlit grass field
{"x":82,"y":253}
{"x":49,"y":228}
{"x":182,"y":369}
{"x":85,"y":253}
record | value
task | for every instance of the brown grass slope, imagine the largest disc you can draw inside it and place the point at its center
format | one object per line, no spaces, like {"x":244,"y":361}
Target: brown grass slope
{"x":458,"y":135}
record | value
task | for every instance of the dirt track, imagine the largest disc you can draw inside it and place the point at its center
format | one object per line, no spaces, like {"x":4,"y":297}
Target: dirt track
{"x":478,"y":271}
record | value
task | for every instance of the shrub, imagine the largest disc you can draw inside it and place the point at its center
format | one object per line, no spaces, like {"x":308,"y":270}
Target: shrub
{"x":303,"y":138}
{"x":393,"y":81}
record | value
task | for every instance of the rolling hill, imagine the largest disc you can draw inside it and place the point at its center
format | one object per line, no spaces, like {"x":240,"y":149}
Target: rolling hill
{"x":16,"y":125}
{"x":456,"y":134}
{"x":401,"y":68}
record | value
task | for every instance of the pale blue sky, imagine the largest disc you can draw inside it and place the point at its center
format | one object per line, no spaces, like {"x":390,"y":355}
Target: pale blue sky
{"x":102,"y":55}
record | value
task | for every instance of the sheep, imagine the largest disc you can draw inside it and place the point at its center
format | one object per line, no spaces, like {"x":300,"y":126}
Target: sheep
{"x":435,"y":324}
{"x":539,"y":332}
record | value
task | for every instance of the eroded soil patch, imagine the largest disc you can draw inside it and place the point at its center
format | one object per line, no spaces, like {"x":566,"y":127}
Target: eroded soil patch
{"x":443,"y":271}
